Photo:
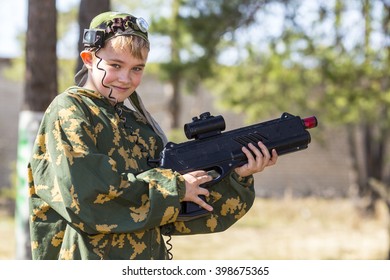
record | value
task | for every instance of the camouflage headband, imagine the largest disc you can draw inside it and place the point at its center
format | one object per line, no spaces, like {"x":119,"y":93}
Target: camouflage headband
{"x":110,"y":24}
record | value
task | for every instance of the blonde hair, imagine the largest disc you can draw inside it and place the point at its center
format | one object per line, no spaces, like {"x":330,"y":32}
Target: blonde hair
{"x":138,"y":47}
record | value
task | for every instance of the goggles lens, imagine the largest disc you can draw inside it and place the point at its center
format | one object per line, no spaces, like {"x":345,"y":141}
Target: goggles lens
{"x":142,"y":24}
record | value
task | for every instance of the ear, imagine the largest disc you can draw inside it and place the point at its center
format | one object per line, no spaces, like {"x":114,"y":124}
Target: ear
{"x":87,"y":58}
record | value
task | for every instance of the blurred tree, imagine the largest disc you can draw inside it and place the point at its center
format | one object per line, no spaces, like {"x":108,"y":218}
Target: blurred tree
{"x":197,"y":30}
{"x":318,"y":64}
{"x":272,"y":77}
{"x":346,"y":85}
{"x":357,"y":93}
{"x":40,"y":88}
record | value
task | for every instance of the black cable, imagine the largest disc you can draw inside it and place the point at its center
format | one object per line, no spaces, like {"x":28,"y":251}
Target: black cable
{"x":104,"y":76}
{"x":169,"y":247}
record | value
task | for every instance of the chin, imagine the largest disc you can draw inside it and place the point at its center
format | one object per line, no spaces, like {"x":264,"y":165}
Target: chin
{"x":121,"y":99}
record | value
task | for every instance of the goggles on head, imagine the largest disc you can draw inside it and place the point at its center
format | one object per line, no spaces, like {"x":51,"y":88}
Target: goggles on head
{"x":118,"y":26}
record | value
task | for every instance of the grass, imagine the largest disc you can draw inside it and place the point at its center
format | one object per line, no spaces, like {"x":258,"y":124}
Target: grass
{"x":293,"y":229}
{"x":7,"y":240}
{"x":289,"y":229}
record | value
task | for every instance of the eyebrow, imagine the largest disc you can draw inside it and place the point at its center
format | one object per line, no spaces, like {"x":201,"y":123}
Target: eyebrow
{"x":121,"y":61}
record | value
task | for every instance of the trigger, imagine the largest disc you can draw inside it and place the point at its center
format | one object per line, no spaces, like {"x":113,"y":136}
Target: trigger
{"x":214,"y":174}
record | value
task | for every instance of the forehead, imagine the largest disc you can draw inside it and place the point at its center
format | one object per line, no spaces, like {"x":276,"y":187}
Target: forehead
{"x":137,"y":46}
{"x":125,"y":53}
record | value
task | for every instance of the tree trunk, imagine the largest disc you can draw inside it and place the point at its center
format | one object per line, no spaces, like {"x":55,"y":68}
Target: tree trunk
{"x":385,"y":87}
{"x":41,"y":57}
{"x":175,"y":80}
{"x":174,"y":104}
{"x":40,"y":89}
{"x":368,"y":145}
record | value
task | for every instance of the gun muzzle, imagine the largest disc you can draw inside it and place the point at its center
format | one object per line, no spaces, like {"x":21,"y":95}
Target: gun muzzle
{"x":310,"y":122}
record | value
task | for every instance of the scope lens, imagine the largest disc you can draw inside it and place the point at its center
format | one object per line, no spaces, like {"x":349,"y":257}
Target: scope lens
{"x":310,"y":122}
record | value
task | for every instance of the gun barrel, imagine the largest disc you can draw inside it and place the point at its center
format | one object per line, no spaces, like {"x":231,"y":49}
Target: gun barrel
{"x":310,"y":122}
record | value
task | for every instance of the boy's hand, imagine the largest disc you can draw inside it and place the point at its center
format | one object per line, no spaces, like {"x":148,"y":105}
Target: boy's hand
{"x":193,"y":191}
{"x":256,"y":163}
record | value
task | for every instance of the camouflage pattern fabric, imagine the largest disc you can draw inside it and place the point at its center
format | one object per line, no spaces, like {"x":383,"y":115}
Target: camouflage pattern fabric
{"x":93,"y":195}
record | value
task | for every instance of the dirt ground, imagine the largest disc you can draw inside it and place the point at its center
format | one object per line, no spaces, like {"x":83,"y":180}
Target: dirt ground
{"x":288,"y":229}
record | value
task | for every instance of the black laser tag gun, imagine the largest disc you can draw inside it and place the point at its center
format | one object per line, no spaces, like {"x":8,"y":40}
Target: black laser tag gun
{"x":220,"y":153}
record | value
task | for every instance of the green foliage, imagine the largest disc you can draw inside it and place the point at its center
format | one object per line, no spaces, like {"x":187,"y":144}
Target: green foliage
{"x":300,"y":71}
{"x":15,"y":72}
{"x":354,"y":91}
{"x":10,"y":192}
{"x":198,"y":32}
{"x":66,"y":20}
{"x":177,"y":135}
{"x":319,"y":67}
{"x":265,"y":84}
{"x":65,"y":73}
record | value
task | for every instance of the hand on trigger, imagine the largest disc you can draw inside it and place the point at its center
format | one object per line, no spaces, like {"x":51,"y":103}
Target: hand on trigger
{"x":193,"y":190}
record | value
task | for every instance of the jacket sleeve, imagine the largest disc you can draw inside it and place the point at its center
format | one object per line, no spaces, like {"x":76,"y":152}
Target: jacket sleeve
{"x":231,"y":200}
{"x":82,"y":184}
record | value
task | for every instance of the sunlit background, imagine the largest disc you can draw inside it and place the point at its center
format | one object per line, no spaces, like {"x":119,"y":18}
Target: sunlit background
{"x":323,"y":58}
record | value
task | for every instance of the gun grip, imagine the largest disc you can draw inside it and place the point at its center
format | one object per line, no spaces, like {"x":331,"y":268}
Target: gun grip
{"x":190,"y":211}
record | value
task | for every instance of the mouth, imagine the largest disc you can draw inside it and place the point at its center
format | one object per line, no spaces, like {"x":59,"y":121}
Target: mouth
{"x":121,"y":89}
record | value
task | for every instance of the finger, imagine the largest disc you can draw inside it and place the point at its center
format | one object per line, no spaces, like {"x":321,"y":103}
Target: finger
{"x":198,"y":173}
{"x":256,"y":151}
{"x":203,"y":191}
{"x":248,"y":154}
{"x":203,"y":204}
{"x":265,"y":161}
{"x":264,"y":150}
{"x":274,"y":157}
{"x":249,"y":165}
{"x":204,"y":179}
{"x":261,"y":157}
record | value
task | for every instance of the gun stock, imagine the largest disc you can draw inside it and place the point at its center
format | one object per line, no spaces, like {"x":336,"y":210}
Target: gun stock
{"x":214,"y":150}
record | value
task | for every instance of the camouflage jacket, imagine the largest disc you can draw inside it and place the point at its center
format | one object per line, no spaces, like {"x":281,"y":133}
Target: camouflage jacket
{"x":93,"y":194}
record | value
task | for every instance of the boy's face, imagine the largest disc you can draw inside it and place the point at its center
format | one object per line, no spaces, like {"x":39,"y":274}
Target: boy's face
{"x":122,"y":73}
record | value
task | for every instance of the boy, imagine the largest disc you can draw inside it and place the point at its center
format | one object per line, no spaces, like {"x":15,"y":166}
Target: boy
{"x":92,"y":193}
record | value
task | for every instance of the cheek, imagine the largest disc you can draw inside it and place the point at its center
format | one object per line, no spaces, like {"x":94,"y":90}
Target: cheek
{"x":137,"y":79}
{"x":107,"y":75}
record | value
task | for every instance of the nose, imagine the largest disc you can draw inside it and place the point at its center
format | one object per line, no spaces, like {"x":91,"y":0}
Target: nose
{"x":124,"y":77}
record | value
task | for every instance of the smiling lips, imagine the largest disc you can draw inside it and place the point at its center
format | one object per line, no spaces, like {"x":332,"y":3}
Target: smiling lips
{"x":121,"y":89}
